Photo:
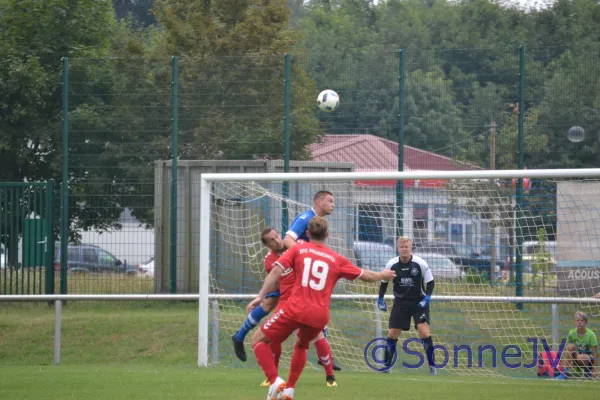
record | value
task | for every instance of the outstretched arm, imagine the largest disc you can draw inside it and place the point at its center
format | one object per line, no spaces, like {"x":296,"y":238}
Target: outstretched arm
{"x":372,"y":276}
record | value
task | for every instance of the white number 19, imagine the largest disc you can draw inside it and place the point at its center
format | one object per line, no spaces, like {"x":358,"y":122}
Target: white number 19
{"x":318,"y":270}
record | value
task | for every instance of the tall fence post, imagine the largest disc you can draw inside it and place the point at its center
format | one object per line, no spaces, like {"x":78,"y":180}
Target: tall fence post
{"x":555,"y":321}
{"x":49,"y":247}
{"x":400,"y":184}
{"x":173,"y":203}
{"x":64,"y":185}
{"x":519,"y":186}
{"x":285,"y":189}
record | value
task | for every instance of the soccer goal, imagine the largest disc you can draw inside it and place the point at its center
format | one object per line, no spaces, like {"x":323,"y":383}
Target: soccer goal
{"x":514,"y":255}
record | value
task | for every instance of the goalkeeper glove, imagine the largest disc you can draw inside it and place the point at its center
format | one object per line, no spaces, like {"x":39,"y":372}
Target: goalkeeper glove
{"x":425,"y":302}
{"x":381,"y":304}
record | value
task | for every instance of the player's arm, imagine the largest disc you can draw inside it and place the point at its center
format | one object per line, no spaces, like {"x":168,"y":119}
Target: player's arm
{"x":299,"y":226}
{"x":352,"y":272}
{"x":289,"y":240}
{"x":428,"y":281}
{"x":269,"y":285}
{"x":372,"y":276}
{"x":383,"y":287}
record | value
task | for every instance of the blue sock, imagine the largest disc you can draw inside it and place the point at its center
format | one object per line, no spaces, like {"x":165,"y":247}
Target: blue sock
{"x":253,"y":319}
{"x":325,"y":332}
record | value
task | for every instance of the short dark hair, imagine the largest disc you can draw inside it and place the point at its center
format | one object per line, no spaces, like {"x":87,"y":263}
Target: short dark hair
{"x":321,"y":193}
{"x":264,"y":233}
{"x":317,"y":228}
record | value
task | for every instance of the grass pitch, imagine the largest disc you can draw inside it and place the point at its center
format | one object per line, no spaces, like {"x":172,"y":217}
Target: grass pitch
{"x":145,"y":382}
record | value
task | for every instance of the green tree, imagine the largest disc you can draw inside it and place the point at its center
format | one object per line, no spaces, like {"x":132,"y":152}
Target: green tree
{"x":34,"y":36}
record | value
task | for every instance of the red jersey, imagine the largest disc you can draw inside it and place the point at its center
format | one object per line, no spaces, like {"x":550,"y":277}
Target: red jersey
{"x":286,"y":281}
{"x":317,"y":269}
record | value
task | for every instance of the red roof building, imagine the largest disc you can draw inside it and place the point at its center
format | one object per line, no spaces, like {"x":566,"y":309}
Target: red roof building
{"x":371,"y":153}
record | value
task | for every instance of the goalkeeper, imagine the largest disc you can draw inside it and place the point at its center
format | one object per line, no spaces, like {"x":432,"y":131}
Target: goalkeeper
{"x":413,"y":286}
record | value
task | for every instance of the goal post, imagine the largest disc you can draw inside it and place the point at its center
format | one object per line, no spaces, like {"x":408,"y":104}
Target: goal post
{"x":489,"y":244}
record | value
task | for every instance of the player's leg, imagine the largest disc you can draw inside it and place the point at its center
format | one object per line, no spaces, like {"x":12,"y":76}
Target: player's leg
{"x":334,"y":365}
{"x":268,"y":304}
{"x":421,"y":318}
{"x":275,"y":329}
{"x":276,"y":349}
{"x":399,"y":321}
{"x":306,"y":335}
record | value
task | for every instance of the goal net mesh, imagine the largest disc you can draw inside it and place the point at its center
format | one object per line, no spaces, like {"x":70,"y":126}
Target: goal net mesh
{"x":469,"y":232}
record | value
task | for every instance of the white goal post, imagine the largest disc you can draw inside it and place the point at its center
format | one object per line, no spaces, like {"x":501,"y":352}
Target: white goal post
{"x":228,"y":202}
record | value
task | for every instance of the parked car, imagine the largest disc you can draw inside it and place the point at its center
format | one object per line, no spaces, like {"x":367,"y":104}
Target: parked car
{"x":373,"y":255}
{"x":87,"y":258}
{"x":461,"y":255}
{"x":442,"y":267}
{"x":146,"y":268}
{"x":2,"y":258}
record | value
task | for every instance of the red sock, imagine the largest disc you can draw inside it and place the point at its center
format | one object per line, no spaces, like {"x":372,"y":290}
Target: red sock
{"x":296,"y":366}
{"x":324,"y":354}
{"x":264,"y":357}
{"x":276,"y":349}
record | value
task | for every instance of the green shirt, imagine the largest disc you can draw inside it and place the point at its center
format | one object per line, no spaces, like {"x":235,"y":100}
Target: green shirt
{"x":584,"y":343}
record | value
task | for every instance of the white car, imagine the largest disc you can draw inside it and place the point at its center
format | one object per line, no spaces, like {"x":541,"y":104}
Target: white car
{"x":146,"y":268}
{"x":442,"y":267}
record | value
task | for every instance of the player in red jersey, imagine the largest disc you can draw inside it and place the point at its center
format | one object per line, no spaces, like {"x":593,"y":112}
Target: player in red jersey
{"x":271,"y":238}
{"x":317,"y":269}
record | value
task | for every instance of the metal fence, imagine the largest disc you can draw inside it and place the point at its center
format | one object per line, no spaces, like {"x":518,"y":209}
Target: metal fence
{"x":501,"y":108}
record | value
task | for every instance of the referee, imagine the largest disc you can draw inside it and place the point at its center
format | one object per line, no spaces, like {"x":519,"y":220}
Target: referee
{"x":413,"y":286}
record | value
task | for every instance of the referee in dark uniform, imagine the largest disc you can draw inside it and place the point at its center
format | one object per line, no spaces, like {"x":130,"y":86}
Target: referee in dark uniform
{"x":413,"y":286}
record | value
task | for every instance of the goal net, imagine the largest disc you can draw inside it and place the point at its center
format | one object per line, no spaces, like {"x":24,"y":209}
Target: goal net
{"x":514,"y":255}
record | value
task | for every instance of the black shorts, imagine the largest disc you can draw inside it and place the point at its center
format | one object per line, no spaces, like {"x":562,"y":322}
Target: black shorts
{"x":403,"y":311}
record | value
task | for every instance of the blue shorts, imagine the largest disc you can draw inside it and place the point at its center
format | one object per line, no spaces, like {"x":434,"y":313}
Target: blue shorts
{"x":273,"y":294}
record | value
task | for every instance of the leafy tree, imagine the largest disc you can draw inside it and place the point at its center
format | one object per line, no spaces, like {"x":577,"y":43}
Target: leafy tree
{"x":139,"y":11}
{"x":34,"y":36}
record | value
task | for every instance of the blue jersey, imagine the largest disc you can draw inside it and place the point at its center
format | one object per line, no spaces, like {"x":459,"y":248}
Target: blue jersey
{"x":300,"y":225}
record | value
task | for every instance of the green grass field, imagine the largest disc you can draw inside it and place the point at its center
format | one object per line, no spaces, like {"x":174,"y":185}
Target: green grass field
{"x":131,"y":350}
{"x":145,"y":382}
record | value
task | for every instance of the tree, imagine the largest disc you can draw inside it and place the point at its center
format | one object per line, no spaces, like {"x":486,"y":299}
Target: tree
{"x":34,"y":36}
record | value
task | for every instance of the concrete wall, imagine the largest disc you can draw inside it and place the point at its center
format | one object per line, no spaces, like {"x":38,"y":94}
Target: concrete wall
{"x":236,"y":257}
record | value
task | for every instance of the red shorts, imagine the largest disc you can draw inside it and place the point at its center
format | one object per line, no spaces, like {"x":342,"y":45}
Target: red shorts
{"x":280,"y":326}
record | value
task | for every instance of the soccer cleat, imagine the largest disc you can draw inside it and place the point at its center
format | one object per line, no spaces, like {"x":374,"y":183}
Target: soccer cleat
{"x":334,"y":366}
{"x":331,"y":381}
{"x":275,"y":389}
{"x":265,"y":383}
{"x":287,"y":394}
{"x":432,"y":371}
{"x":240,"y":352}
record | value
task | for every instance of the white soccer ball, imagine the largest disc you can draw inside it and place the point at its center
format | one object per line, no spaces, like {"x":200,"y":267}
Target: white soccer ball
{"x":328,"y":100}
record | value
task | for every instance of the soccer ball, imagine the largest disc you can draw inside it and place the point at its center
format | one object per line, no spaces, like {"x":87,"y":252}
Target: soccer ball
{"x":328,"y":100}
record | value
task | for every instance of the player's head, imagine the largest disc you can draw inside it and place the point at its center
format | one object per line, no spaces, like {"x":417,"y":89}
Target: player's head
{"x":581,"y":319}
{"x":317,"y":229}
{"x":272,"y":239}
{"x":323,"y":203}
{"x":404,"y":246}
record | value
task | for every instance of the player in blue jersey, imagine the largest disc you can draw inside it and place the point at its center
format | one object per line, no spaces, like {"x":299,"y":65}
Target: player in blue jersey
{"x":323,"y":205}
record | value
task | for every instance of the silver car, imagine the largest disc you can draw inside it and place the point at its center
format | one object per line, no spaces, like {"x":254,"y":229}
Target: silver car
{"x":442,"y":267}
